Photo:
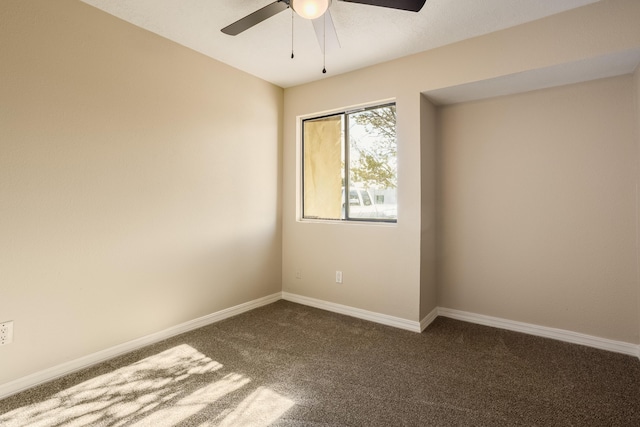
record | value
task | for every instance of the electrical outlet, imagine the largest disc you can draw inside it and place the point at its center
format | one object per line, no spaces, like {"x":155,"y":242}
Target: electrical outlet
{"x":338,"y":276}
{"x":298,"y":274}
{"x":6,"y":332}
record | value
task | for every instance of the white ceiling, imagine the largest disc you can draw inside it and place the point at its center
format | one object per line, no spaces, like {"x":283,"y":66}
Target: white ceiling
{"x":368,"y":35}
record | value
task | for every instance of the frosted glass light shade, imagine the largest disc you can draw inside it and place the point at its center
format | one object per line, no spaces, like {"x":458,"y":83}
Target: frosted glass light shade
{"x":310,"y":9}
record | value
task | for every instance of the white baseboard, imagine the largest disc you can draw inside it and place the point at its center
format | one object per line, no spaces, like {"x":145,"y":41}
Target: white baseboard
{"x":543,"y":331}
{"x":49,"y":374}
{"x":52,"y":373}
{"x":424,"y":323}
{"x":384,"y":319}
{"x":511,"y":325}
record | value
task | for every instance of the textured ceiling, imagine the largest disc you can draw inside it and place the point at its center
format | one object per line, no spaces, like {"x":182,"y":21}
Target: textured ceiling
{"x":368,"y":35}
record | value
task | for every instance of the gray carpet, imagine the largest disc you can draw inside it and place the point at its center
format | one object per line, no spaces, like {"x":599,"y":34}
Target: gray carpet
{"x":290,"y":365}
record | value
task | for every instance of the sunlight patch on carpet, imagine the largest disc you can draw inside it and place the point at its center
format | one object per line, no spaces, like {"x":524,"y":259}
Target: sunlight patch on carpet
{"x":152,"y":392}
{"x":260,"y":409}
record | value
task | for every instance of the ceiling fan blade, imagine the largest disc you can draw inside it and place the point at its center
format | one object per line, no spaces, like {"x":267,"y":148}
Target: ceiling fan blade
{"x":410,"y":5}
{"x":326,"y":32}
{"x":255,"y":18}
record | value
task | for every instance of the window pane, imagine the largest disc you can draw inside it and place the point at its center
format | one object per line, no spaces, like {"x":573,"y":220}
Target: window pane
{"x":350,"y":165}
{"x":373,"y":162}
{"x":323,"y":168}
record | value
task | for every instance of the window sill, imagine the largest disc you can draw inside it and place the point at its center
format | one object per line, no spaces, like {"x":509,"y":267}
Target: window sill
{"x":374,"y":223}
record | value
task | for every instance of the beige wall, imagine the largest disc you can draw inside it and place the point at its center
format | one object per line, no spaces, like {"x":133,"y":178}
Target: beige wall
{"x":380,"y":263}
{"x":636,"y":80}
{"x":143,"y":185}
{"x":139,"y":183}
{"x":428,"y":223}
{"x":538,"y":208}
{"x":384,"y":270}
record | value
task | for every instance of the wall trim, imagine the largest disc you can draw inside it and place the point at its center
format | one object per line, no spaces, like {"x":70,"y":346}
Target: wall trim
{"x":66,"y":368}
{"x":543,"y":331}
{"x":428,"y":319}
{"x":359,"y":313}
{"x":480,"y":319}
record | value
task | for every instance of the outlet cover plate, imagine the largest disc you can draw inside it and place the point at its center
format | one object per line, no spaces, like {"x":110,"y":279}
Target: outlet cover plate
{"x":6,"y":332}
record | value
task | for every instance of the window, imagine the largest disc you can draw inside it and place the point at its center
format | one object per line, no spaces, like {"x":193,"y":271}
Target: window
{"x":352,"y":153}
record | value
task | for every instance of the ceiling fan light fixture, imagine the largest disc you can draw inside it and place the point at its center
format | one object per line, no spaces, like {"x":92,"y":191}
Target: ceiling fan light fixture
{"x":310,"y":9}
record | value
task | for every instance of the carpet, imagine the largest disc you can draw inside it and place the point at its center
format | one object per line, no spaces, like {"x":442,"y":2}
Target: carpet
{"x":290,"y":365}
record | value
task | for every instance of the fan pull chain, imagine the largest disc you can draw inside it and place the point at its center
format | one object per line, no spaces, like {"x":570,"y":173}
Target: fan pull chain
{"x":292,"y":15}
{"x":324,"y":43}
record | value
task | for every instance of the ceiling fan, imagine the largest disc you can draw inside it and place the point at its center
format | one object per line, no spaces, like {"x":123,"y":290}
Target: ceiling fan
{"x":313,"y":10}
